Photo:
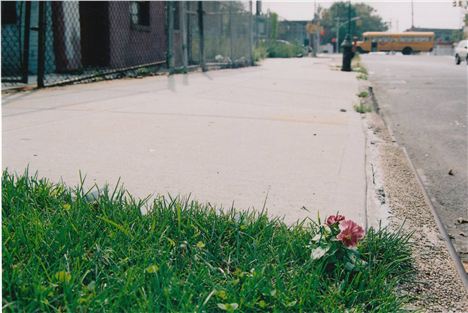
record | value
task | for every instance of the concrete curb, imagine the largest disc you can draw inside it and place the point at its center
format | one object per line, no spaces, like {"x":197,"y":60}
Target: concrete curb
{"x":448,"y":243}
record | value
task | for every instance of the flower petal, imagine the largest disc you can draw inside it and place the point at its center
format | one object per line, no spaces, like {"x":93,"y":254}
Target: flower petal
{"x":319,"y":252}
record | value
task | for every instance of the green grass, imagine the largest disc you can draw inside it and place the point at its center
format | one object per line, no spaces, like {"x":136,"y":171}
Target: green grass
{"x":362,"y":108}
{"x":278,"y":49}
{"x":363,"y":94}
{"x":357,"y":66}
{"x":260,"y":53}
{"x":360,"y":69}
{"x":66,"y":251}
{"x":362,"y":76}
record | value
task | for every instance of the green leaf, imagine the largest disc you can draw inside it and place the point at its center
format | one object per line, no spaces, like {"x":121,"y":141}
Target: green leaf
{"x":349,"y":266}
{"x":116,"y":225}
{"x":66,"y":206}
{"x":152,"y":269}
{"x":262,"y":304}
{"x":317,"y":237}
{"x":171,"y":242}
{"x":221,"y":294}
{"x":291,"y":304}
{"x":63,"y":277}
{"x":319,"y":252}
{"x":228,"y":306}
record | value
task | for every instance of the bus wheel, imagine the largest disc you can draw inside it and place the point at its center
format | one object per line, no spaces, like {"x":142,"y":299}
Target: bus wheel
{"x":407,"y":51}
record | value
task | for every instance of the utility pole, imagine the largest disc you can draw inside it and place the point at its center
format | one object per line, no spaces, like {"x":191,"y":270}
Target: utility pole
{"x":258,"y":7}
{"x":349,"y":18}
{"x":412,"y":15}
{"x":313,"y":34}
{"x":318,"y":27}
{"x":347,"y":45}
{"x":258,"y":12}
{"x":337,"y":43}
{"x":317,"y":38}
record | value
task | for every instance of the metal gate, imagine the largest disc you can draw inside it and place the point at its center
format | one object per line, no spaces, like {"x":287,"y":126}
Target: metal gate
{"x":15,"y":41}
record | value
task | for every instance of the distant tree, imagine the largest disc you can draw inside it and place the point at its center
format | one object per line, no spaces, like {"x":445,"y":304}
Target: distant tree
{"x":225,"y":6}
{"x":273,"y":25}
{"x":368,"y":20}
{"x":456,"y":35}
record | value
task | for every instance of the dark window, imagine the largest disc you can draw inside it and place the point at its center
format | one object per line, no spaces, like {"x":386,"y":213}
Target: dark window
{"x":177,"y":15}
{"x":8,"y":12}
{"x":140,"y":13}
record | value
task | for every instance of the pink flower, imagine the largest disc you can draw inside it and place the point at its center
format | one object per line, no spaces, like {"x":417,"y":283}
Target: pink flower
{"x":332,"y":219}
{"x":350,"y":233}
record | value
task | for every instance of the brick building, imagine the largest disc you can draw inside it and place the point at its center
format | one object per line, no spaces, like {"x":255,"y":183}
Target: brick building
{"x":81,"y":35}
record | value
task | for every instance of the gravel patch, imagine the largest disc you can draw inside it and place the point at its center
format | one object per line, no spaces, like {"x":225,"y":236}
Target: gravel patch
{"x":436,"y":286}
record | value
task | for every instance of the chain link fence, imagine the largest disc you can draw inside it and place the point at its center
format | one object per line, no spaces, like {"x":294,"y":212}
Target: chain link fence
{"x":84,"y":40}
{"x":71,"y":41}
{"x":227,"y":36}
{"x":48,"y":43}
{"x":293,"y":31}
{"x":15,"y":19}
{"x":226,"y":28}
{"x":193,"y":34}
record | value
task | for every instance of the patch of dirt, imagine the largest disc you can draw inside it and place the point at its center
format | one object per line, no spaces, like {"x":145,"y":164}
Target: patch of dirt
{"x":436,"y":286}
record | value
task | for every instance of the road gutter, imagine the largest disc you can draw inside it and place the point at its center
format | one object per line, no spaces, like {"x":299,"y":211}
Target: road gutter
{"x":443,"y":232}
{"x":441,"y":283}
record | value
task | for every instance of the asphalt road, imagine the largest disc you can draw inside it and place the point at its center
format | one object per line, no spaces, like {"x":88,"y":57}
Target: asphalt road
{"x":423,"y":98}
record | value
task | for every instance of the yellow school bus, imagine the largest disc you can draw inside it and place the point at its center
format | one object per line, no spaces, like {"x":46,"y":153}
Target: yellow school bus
{"x":406,"y":43}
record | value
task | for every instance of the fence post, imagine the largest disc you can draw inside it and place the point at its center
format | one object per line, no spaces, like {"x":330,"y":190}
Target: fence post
{"x":189,"y":30}
{"x":183,"y":28}
{"x":170,"y":36}
{"x":27,"y":30}
{"x":252,"y":61}
{"x":256,"y":28}
{"x":231,"y":54}
{"x":202,"y":35}
{"x":41,"y":45}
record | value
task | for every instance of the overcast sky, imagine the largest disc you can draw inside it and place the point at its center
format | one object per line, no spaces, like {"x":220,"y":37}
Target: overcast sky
{"x":433,"y":14}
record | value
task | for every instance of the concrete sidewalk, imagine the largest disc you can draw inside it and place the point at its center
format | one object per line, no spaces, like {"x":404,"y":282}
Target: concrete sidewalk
{"x":223,"y":136}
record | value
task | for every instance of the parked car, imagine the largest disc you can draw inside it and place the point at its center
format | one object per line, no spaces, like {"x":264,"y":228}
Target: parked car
{"x":461,"y":52}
